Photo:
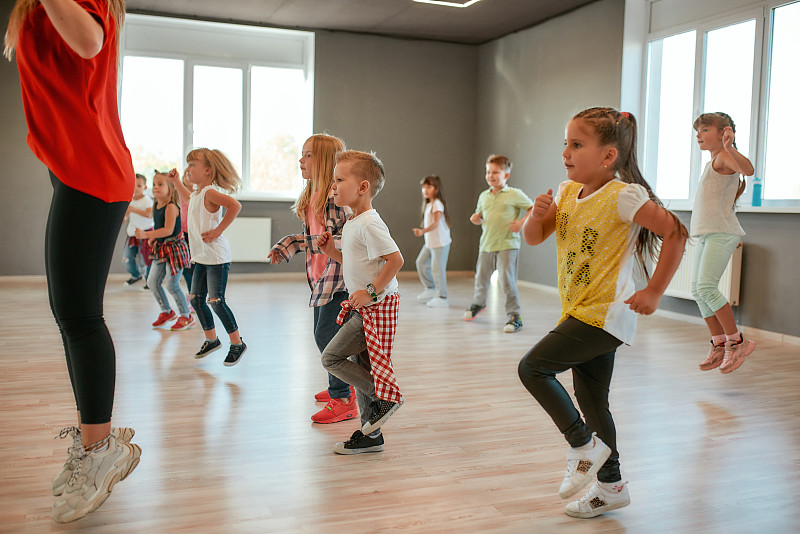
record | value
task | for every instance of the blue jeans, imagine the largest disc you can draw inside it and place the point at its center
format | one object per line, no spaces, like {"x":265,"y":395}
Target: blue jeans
{"x":432,"y":268}
{"x":712,"y":254}
{"x":212,"y":280}
{"x":505,"y":262}
{"x":133,"y":261}
{"x":325,"y":327}
{"x":159,"y":272}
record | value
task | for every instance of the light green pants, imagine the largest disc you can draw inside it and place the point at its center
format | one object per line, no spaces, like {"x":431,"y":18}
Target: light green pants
{"x":712,"y":254}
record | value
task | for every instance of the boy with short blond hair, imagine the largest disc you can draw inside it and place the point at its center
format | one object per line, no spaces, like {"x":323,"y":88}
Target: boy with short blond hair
{"x":370,"y":262}
{"x":500,"y":212}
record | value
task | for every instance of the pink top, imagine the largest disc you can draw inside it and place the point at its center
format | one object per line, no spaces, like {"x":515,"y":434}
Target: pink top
{"x":315,"y":227}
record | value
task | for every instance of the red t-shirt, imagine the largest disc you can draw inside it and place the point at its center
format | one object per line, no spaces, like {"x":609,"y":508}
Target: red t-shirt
{"x":71,"y":106}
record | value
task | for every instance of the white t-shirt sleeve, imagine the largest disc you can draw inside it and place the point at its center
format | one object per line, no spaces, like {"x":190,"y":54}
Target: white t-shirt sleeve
{"x":437,"y":205}
{"x":630,"y":199}
{"x":378,"y":240}
{"x":561,"y":187}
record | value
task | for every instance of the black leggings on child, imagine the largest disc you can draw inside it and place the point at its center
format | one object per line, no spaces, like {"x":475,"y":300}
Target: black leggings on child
{"x":81,"y":234}
{"x":589,"y":352}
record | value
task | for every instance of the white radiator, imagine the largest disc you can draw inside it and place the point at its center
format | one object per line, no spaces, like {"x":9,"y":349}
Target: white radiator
{"x":250,"y":238}
{"x":729,"y":284}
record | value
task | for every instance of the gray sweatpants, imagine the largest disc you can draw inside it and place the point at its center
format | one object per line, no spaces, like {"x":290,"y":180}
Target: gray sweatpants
{"x":348,"y":342}
{"x":505,"y":262}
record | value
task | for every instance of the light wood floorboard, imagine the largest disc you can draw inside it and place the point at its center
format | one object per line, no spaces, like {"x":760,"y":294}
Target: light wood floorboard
{"x":234,"y":450}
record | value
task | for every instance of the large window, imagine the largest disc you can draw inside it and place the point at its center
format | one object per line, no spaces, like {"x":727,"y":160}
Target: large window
{"x":244,"y":90}
{"x":720,"y":66}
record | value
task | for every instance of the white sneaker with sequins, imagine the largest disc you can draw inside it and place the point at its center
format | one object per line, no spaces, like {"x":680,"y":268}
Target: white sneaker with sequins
{"x":598,"y":501}
{"x":582,"y":466}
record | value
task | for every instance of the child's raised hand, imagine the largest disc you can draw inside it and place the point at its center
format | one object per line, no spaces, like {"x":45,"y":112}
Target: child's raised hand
{"x":476,"y":218}
{"x":727,"y":137}
{"x":174,"y":176}
{"x":645,"y":301}
{"x":418,"y":232}
{"x":541,"y":205}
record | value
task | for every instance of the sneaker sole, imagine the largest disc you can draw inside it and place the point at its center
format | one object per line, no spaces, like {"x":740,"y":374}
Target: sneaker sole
{"x":709,"y":367}
{"x":740,"y":361}
{"x":206,"y":353}
{"x":104,"y":491}
{"x":511,"y":331}
{"x":123,"y":435}
{"x":339,"y":418}
{"x":589,"y":476}
{"x":369,"y":428}
{"x":341,"y":450}
{"x":597,"y":511}
{"x":474,"y":316}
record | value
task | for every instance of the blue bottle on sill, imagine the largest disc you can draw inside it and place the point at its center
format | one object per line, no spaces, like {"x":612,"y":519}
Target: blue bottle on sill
{"x":756,"y":191}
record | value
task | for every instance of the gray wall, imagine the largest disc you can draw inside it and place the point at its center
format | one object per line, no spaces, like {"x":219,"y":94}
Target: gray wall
{"x":530,"y":84}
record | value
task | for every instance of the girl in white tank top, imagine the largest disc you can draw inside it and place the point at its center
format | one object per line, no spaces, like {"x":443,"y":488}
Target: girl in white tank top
{"x":718,"y":233}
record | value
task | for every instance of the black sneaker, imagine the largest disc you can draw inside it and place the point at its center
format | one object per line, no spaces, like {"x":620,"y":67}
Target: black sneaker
{"x":473,"y":312}
{"x":235,"y":354}
{"x":207,"y":348}
{"x":380,"y":411}
{"x":359,"y":443}
{"x":513,"y":325}
{"x":132,"y":280}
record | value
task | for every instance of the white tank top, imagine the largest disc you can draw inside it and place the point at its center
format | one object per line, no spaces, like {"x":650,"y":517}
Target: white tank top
{"x":201,"y":220}
{"x":713,"y":204}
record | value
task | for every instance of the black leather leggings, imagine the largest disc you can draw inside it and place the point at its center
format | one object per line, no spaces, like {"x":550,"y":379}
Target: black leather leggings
{"x":589,"y":352}
{"x":79,"y":243}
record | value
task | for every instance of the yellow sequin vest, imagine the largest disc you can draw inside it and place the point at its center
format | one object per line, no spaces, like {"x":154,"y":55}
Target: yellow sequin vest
{"x":591,"y":240}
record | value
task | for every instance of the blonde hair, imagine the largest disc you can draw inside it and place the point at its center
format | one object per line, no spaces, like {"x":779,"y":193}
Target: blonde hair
{"x":618,"y":129}
{"x":721,"y":121}
{"x":434,"y":181}
{"x":173,"y":193}
{"x":324,"y":148}
{"x":502,"y":161}
{"x":223,"y":173}
{"x":116,"y":10}
{"x":366,"y":166}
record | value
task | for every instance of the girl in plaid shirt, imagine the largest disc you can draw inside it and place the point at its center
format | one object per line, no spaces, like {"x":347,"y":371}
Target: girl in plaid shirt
{"x":319,"y":214}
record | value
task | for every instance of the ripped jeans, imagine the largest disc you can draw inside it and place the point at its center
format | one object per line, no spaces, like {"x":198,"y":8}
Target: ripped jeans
{"x":211,"y":281}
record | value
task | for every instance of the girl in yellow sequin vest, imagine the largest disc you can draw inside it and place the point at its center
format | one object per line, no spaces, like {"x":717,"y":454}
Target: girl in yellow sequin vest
{"x":606,"y":219}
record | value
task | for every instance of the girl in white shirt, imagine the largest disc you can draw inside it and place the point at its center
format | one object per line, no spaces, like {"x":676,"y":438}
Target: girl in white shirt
{"x":432,"y":259}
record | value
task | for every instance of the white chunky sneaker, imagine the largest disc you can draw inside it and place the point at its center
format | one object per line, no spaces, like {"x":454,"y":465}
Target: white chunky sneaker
{"x":94,"y":477}
{"x":122,"y":434}
{"x":582,"y":466}
{"x":599,"y":501}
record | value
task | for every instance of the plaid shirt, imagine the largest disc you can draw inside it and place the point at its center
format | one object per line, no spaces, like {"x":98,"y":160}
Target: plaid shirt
{"x":332,"y":279}
{"x":380,"y":324}
{"x":173,"y":250}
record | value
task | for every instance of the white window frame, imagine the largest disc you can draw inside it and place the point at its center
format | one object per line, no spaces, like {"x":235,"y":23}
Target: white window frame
{"x":222,"y":45}
{"x":762,"y":13}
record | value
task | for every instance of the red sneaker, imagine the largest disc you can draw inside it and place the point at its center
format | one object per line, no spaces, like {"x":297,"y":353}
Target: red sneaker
{"x":183,"y":323}
{"x":336,"y":410}
{"x":163,"y":317}
{"x":324,"y":396}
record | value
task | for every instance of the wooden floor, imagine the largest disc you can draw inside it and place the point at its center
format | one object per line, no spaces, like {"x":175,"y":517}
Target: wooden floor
{"x":234,"y":450}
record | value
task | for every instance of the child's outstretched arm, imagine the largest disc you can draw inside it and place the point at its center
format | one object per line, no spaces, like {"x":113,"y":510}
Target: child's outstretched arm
{"x":541,"y":219}
{"x":659,"y":221}
{"x":394,"y":262}
{"x":734,"y":160}
{"x":183,"y":191}
{"x":232,"y":209}
{"x":326,"y":244}
{"x":170,"y":215}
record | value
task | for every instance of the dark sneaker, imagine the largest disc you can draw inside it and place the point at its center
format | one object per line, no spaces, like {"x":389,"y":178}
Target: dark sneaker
{"x":473,"y":312}
{"x":235,"y":354}
{"x":132,"y":280}
{"x":513,"y":325}
{"x":380,"y":412}
{"x":359,"y":443}
{"x":207,"y":348}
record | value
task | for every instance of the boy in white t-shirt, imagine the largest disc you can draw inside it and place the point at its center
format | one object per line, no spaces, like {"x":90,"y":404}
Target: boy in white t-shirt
{"x":370,"y":262}
{"x":139,"y":215}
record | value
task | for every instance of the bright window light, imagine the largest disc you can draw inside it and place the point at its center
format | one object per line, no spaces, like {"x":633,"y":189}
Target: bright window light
{"x":448,"y":4}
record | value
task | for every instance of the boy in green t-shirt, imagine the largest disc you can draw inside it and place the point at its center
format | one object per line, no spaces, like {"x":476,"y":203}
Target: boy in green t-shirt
{"x":501,"y":212}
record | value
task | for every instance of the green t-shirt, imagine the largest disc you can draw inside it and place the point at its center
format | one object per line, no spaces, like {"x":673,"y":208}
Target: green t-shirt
{"x":498,"y":212}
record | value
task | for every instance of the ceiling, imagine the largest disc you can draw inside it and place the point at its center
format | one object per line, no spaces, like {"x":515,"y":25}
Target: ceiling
{"x":476,"y":24}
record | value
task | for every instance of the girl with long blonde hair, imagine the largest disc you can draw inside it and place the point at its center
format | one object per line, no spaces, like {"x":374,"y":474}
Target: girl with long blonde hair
{"x":67,"y":57}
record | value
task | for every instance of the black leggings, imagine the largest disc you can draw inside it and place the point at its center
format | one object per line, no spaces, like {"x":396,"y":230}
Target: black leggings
{"x":81,"y":234}
{"x":589,"y":352}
